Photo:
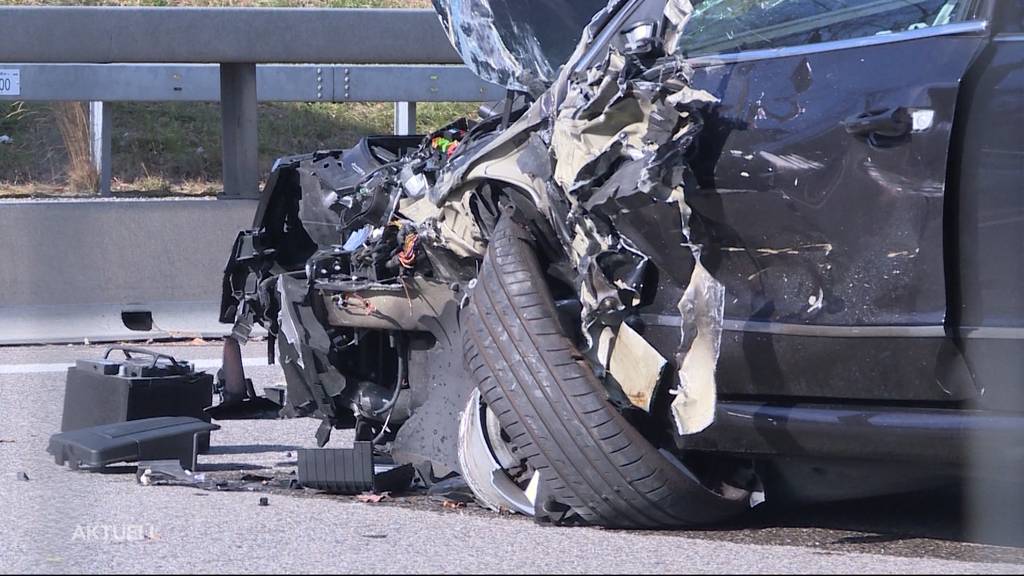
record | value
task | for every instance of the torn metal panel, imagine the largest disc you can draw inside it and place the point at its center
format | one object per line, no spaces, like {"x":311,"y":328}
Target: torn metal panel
{"x":701,"y":312}
{"x":621,"y":132}
{"x":527,"y":167}
{"x":329,"y":182}
{"x":455,"y":230}
{"x":676,"y":15}
{"x":491,"y":147}
{"x":636,"y":366}
{"x":313,"y":382}
{"x":438,"y":385}
{"x":616,"y":132}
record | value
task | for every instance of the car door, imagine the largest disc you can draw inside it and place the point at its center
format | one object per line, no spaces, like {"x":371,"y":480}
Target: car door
{"x":823,"y":189}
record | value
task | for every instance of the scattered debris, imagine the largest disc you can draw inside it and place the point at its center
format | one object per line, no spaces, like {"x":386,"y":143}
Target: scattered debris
{"x":371,"y":498}
{"x":276,"y":394}
{"x":5,"y":139}
{"x":166,"y":472}
{"x":21,"y":476}
{"x":171,"y":474}
{"x":246,"y":405}
{"x":351,"y":471}
{"x":264,"y":501}
{"x":248,"y":408}
{"x":454,"y":490}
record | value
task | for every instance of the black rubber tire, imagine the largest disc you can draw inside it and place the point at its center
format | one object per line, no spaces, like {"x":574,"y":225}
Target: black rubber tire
{"x":556,"y":412}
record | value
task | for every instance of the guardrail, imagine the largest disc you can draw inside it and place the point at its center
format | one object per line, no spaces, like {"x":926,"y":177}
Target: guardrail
{"x":107,"y":54}
{"x":75,"y":267}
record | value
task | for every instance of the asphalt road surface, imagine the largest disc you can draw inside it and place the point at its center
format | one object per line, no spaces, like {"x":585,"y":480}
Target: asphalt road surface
{"x":63,"y":521}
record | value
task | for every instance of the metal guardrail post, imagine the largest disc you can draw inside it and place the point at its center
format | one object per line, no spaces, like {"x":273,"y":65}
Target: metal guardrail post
{"x":99,"y":144}
{"x":405,"y":118}
{"x":239,"y":122}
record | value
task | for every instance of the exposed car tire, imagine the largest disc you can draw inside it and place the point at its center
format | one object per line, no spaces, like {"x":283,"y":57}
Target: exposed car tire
{"x":556,"y":412}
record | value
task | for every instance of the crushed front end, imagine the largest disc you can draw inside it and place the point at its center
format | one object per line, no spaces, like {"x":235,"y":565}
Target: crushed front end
{"x":360,"y":262}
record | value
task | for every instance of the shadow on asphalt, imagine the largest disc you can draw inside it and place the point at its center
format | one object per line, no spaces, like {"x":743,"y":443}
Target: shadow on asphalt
{"x":228,"y":467}
{"x":250,"y":449}
{"x":931,"y":523}
{"x":940,"y":514}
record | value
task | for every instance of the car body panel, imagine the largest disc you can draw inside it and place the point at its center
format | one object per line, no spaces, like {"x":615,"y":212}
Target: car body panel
{"x":817,"y":227}
{"x":989,"y":218}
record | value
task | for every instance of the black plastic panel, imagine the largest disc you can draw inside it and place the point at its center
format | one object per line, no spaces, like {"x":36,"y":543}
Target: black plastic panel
{"x":150,"y":439}
{"x":338,"y":470}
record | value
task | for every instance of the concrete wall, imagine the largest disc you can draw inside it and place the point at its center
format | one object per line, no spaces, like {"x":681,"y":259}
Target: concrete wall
{"x":69,"y":267}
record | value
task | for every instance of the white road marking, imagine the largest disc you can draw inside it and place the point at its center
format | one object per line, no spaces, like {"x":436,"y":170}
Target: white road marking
{"x":201,"y":364}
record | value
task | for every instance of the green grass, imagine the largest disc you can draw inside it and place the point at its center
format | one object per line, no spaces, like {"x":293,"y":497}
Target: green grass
{"x":176,"y":147}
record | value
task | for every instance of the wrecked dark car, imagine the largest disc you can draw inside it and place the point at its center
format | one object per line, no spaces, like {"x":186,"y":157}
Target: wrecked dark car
{"x":702,"y":255}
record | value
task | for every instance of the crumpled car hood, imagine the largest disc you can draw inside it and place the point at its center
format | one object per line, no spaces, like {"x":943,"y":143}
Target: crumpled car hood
{"x":518,"y":44}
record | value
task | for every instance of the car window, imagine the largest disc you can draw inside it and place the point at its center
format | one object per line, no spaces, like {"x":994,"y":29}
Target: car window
{"x":722,"y":26}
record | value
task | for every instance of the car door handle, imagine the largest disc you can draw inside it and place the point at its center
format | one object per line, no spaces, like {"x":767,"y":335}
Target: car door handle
{"x":880,"y":125}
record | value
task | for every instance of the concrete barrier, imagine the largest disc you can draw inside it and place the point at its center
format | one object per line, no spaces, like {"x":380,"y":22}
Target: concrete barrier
{"x":71,"y":267}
